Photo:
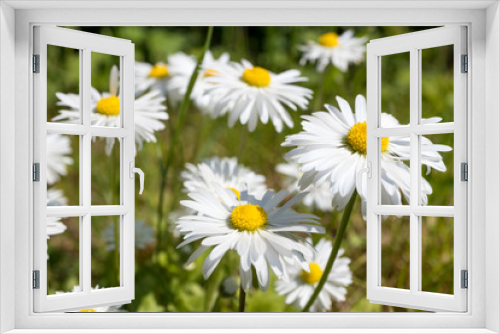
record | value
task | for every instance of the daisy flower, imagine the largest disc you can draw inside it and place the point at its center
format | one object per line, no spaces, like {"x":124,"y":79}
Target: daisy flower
{"x":58,"y":151}
{"x":154,"y":77}
{"x":158,"y":76}
{"x":263,"y":234}
{"x":55,"y":197}
{"x":225,"y":172}
{"x":54,"y":225}
{"x":319,"y":196}
{"x":340,"y":51}
{"x":105,"y":111}
{"x":332,"y":148}
{"x":250,"y":93}
{"x":302,"y":283}
{"x":179,"y":83}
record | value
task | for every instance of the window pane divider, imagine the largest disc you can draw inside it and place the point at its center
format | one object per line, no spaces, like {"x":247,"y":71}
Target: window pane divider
{"x":422,"y":129}
{"x":79,"y":211}
{"x":406,"y":210}
{"x":77,"y":129}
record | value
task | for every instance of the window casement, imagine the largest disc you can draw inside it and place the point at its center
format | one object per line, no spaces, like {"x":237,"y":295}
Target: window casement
{"x":85,"y":133}
{"x":415,"y":132}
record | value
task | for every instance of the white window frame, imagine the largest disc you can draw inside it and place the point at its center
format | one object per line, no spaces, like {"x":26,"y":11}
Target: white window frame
{"x":87,"y":44}
{"x":483,"y":21}
{"x":413,"y":44}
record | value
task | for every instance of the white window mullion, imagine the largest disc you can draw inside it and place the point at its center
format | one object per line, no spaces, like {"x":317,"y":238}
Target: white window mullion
{"x":414,"y":171}
{"x":373,"y":273}
{"x":127,"y":84}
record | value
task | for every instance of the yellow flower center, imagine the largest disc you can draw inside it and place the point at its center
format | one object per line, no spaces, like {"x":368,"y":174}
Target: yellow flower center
{"x":314,"y":275}
{"x":257,"y":76}
{"x":88,"y":310}
{"x":159,"y":71}
{"x":248,"y":217}
{"x":236,"y":192}
{"x":109,"y":106}
{"x":329,"y":40}
{"x":356,"y":138}
{"x":210,"y":73}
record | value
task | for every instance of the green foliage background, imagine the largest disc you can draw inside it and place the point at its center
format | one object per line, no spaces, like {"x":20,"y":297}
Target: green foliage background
{"x":163,"y":282}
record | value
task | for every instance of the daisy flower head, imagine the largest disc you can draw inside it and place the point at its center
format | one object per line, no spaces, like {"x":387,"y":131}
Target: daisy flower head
{"x":318,"y":196}
{"x":180,"y":66}
{"x":340,"y":51}
{"x":55,"y":197}
{"x":225,"y":172}
{"x":251,"y":93}
{"x":262,"y":233}
{"x":151,"y":77}
{"x":180,"y":81}
{"x":58,"y":151}
{"x":149,"y":111}
{"x":211,"y":66}
{"x":54,"y":226}
{"x":301,"y":285}
{"x":332,"y":148}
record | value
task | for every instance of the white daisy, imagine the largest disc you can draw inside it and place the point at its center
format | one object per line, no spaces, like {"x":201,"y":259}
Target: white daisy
{"x":340,"y":51}
{"x":225,"y":172}
{"x":172,"y":78}
{"x":148,"y":111}
{"x":302,"y":283}
{"x":332,"y":148}
{"x":55,"y":197}
{"x":154,"y":77}
{"x":251,"y":93}
{"x":54,"y":225}
{"x":262,"y":233}
{"x":58,"y":151}
{"x":179,"y":83}
{"x":318,"y":196}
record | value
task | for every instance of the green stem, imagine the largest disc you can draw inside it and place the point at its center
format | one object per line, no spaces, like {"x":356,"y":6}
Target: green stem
{"x":321,"y":88}
{"x":180,"y":122}
{"x":241,"y":307}
{"x":336,"y":246}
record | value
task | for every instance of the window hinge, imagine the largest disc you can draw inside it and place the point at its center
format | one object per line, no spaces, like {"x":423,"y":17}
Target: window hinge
{"x":464,"y":171}
{"x":465,"y":64}
{"x":36,"y":63}
{"x":36,"y":172}
{"x":36,"y":279}
{"x":464,"y":279}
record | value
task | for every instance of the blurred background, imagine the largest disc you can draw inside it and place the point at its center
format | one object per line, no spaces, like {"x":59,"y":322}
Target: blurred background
{"x":163,"y":282}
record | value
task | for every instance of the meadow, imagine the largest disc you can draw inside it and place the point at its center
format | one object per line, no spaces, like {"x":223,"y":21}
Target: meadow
{"x":163,"y":281}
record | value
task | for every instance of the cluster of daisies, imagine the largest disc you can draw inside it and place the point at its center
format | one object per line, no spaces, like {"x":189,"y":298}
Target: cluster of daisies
{"x":230,"y":208}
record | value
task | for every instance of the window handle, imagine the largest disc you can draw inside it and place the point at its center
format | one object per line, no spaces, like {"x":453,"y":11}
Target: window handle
{"x":133,"y":170}
{"x":368,"y":170}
